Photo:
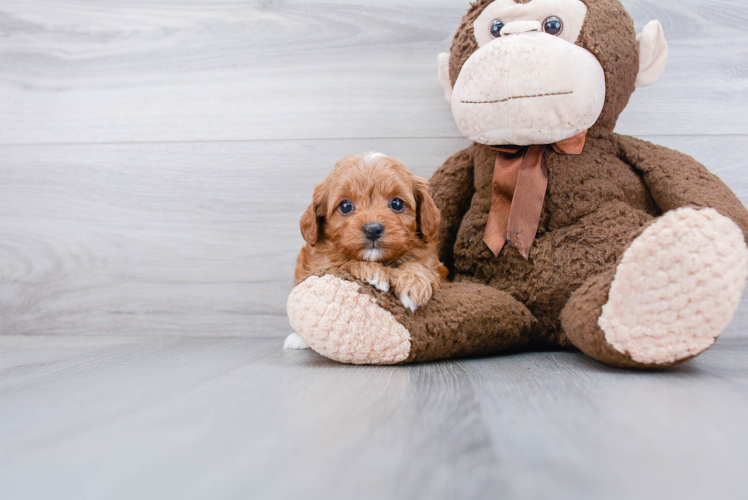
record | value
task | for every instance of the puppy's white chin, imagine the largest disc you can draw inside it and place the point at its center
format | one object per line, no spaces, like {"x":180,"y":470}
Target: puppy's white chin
{"x":371,"y":254}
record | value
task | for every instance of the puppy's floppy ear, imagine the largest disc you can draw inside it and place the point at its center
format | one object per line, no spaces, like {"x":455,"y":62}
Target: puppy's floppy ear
{"x":428,"y":214}
{"x":313,"y":220}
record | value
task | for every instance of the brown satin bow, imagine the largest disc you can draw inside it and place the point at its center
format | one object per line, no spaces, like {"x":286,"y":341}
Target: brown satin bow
{"x":520,"y":179}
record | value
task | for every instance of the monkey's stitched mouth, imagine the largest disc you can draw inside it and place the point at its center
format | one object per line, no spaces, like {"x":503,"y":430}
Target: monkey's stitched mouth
{"x":517,"y":97}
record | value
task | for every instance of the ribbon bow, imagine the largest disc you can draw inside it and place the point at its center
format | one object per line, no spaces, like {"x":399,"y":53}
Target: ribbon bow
{"x":520,"y":179}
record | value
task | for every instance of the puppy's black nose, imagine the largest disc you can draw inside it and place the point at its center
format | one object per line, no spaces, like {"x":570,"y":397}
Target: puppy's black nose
{"x":373,"y":230}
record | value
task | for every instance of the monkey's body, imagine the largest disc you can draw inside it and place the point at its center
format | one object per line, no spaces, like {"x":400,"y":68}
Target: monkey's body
{"x":640,"y":256}
{"x":582,"y":239}
{"x":597,"y":203}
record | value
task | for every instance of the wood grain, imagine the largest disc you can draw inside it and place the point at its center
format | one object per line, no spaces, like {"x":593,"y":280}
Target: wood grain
{"x":151,"y":167}
{"x":239,"y":418}
{"x":192,"y":239}
{"x":81,"y":71}
{"x":189,"y":239}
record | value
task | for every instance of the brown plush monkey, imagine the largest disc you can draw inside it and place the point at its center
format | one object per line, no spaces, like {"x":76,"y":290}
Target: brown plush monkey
{"x":556,"y":230}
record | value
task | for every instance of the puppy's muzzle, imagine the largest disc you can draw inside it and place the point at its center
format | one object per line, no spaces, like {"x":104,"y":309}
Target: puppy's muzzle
{"x":373,"y":231}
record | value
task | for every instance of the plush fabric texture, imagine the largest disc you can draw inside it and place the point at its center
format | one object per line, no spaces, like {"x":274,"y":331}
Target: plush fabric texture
{"x":608,"y":33}
{"x":339,"y":322}
{"x":646,"y":324}
{"x":574,"y":240}
{"x":653,"y":52}
{"x":526,"y":89}
{"x":664,"y":303}
{"x":462,"y":320}
{"x":624,"y":218}
{"x":442,"y":73}
{"x":511,"y":12}
{"x":352,"y":322}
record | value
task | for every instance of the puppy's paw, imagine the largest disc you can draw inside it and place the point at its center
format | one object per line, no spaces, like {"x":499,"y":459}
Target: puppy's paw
{"x":380,"y":283}
{"x":371,"y":272}
{"x":413,"y":289}
{"x":409,"y":302}
{"x":294,"y":342}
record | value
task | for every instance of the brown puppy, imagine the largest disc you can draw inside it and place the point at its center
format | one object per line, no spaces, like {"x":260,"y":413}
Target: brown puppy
{"x":375,"y":219}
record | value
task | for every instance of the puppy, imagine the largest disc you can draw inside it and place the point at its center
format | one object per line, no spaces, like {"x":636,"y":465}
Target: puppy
{"x":375,"y":219}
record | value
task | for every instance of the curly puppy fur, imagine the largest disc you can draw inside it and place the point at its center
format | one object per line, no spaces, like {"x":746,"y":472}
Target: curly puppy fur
{"x":404,"y":257}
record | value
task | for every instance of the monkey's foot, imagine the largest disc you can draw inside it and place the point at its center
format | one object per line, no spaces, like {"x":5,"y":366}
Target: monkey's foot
{"x":340,"y":323}
{"x":676,"y":288}
{"x":351,"y":322}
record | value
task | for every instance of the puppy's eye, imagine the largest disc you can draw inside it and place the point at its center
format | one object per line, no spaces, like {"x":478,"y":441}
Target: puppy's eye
{"x":397,"y":204}
{"x":345,"y":207}
{"x":553,"y":25}
{"x":496,"y":27}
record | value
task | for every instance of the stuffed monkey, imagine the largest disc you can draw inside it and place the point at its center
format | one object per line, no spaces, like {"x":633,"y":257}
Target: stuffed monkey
{"x":556,"y":230}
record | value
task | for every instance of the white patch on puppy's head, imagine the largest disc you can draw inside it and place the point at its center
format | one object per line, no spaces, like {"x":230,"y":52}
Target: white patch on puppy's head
{"x":372,"y":156}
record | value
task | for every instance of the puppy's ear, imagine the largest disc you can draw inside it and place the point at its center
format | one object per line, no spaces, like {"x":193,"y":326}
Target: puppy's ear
{"x":309,"y":225}
{"x":428,"y":214}
{"x":313,"y":220}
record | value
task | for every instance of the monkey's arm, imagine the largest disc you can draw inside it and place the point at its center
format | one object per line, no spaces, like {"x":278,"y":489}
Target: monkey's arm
{"x":677,"y":180}
{"x":452,"y":188}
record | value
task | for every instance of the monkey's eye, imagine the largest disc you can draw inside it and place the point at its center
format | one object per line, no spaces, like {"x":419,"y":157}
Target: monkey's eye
{"x":553,"y":26}
{"x":496,"y":27}
{"x":345,"y":207}
{"x":397,"y":205}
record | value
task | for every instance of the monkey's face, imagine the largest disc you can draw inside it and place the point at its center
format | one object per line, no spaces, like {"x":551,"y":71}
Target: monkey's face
{"x":528,"y":83}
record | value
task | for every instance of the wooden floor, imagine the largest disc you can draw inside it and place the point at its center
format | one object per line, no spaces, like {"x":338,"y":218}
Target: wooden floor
{"x":145,"y":417}
{"x":155,"y":157}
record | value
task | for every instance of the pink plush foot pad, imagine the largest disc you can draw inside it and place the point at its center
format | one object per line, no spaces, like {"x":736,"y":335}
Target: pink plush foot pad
{"x":677,"y":287}
{"x":340,"y":323}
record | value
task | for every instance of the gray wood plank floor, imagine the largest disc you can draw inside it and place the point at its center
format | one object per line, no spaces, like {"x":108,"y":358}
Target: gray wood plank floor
{"x":130,"y":417}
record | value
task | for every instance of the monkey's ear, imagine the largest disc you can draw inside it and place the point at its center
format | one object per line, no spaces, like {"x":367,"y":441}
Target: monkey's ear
{"x":312,"y":220}
{"x":428,"y":213}
{"x":652,"y":54}
{"x":443,"y":63}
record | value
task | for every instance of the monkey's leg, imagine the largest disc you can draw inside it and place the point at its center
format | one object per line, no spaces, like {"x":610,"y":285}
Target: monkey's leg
{"x":672,"y":293}
{"x":351,"y":322}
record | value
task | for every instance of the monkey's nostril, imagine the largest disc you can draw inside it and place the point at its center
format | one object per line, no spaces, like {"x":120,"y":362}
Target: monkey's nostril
{"x":373,"y":230}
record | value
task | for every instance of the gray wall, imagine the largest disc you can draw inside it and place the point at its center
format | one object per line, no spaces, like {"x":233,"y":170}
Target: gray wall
{"x":155,"y":156}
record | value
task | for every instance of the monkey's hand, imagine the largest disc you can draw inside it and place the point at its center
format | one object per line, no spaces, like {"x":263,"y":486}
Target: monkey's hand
{"x":373,"y":273}
{"x":414,"y":284}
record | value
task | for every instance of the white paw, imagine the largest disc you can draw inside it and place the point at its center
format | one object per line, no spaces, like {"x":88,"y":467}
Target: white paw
{"x":409,"y":302}
{"x":295,"y":342}
{"x":380,"y":283}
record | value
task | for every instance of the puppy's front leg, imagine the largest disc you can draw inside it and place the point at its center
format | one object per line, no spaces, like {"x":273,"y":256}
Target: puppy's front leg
{"x":373,"y":273}
{"x":414,"y":284}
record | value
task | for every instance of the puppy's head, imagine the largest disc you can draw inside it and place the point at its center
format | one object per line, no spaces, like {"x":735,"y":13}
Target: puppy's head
{"x":371,"y":208}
